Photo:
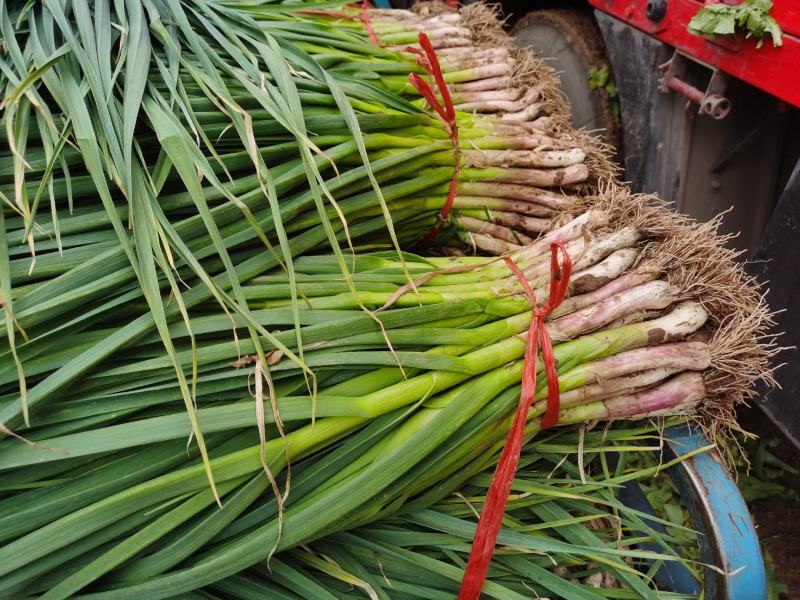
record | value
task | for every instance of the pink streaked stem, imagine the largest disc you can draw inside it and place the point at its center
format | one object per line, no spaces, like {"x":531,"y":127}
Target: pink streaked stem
{"x":528,"y":141}
{"x":522,"y":103}
{"x":507,"y":95}
{"x":524,"y":158}
{"x":499,"y":232}
{"x":569,"y":231}
{"x":614,"y":287}
{"x":516,"y":220}
{"x":678,"y":396}
{"x":487,"y":243}
{"x":685,"y":356}
{"x":535,"y":177}
{"x":527,"y":114}
{"x":482,"y":85}
{"x":648,"y":296}
{"x":517,"y":192}
{"x":634,"y":382}
{"x":503,"y":205}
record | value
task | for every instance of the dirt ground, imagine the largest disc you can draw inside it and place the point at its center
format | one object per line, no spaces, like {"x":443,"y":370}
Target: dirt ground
{"x":777,"y":517}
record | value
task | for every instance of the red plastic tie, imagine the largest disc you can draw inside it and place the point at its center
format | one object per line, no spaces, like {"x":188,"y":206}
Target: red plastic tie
{"x":364,"y":7}
{"x":363,"y":15}
{"x":447,"y":112}
{"x":492,"y":516}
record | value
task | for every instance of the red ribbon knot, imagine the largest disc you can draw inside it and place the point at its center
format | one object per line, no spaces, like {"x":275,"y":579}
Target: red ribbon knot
{"x":446,"y":111}
{"x":492,"y":515}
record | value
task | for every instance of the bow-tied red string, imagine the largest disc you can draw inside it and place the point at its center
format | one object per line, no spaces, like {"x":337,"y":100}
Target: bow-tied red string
{"x":363,"y":14}
{"x":447,"y":113}
{"x":365,"y":5}
{"x":492,"y":515}
{"x":445,"y":109}
{"x":497,"y":497}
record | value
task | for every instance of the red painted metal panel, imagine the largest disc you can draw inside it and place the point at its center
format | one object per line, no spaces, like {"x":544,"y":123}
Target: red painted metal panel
{"x":774,"y":70}
{"x":787,"y":14}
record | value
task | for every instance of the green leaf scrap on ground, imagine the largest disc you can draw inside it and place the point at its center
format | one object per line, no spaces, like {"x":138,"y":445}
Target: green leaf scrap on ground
{"x":760,"y":471}
{"x":751,"y":15}
{"x":776,"y":588}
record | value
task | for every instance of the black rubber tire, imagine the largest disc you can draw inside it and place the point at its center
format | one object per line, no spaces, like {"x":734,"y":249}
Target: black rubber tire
{"x":570,"y":42}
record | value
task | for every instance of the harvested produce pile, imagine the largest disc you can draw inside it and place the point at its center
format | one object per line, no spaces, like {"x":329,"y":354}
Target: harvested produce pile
{"x":511,"y":120}
{"x":228,"y":192}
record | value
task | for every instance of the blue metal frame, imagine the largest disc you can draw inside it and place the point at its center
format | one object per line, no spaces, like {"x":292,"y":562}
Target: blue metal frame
{"x":729,"y":540}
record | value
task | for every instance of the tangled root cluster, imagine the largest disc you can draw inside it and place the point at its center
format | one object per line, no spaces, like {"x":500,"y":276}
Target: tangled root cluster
{"x":698,"y":261}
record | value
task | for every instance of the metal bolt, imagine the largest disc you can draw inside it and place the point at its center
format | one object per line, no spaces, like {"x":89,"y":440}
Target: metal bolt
{"x":656,"y":10}
{"x":715,"y":106}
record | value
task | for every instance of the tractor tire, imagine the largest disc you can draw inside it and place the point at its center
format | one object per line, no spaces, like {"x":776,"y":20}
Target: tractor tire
{"x":570,"y":42}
